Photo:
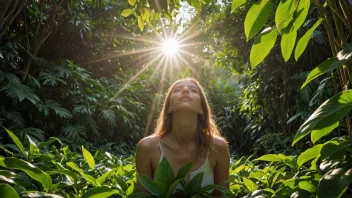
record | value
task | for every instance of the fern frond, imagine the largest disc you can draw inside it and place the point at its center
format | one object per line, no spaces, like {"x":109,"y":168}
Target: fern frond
{"x":20,"y":92}
{"x":109,"y":116}
{"x":81,"y":109}
{"x":14,"y":117}
{"x":59,"y":111}
{"x":9,"y":78}
{"x":74,"y":132}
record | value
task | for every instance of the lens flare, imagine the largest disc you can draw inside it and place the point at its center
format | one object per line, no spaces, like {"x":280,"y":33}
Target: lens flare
{"x":171,"y":47}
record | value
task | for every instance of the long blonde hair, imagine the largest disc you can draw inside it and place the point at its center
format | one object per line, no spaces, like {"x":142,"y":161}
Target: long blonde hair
{"x":206,"y":127}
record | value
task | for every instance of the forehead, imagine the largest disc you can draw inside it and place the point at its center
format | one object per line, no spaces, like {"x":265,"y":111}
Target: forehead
{"x":185,"y":83}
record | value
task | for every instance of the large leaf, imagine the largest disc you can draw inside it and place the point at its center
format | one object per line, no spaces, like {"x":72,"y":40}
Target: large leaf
{"x":284,"y":13}
{"x":262,"y":46}
{"x":195,"y":184}
{"x":256,"y":17}
{"x":89,"y":158}
{"x":33,"y":194}
{"x":269,"y":158}
{"x":330,"y":64}
{"x":317,"y":134}
{"x":164,"y":172}
{"x":303,"y":41}
{"x":154,"y":187}
{"x":288,"y":40}
{"x":68,"y":173}
{"x":7,"y":191}
{"x":236,"y":3}
{"x":250,"y":185}
{"x":309,"y":154}
{"x":29,"y":169}
{"x":301,"y":13}
{"x":98,"y":192}
{"x":334,"y":183}
{"x":182,"y":172}
{"x":17,"y":142}
{"x":327,"y":114}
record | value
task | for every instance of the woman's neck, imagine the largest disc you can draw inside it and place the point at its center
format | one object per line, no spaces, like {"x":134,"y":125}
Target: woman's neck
{"x":184,"y":128}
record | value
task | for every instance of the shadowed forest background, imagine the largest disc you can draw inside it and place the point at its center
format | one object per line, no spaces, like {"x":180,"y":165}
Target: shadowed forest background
{"x":81,"y":82}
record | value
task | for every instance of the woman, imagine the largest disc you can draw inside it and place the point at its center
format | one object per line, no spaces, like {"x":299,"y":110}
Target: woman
{"x":186,"y":132}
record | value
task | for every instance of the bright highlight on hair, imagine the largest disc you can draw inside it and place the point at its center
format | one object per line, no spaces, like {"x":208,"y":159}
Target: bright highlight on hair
{"x":170,"y":47}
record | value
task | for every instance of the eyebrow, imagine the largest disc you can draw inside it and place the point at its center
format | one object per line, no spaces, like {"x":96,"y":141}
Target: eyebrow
{"x":192,"y":86}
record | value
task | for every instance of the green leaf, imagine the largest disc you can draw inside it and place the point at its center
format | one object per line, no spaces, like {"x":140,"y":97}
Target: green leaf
{"x":7,"y":191}
{"x":269,"y":158}
{"x":172,"y":187}
{"x":301,"y":13}
{"x":127,"y":12}
{"x":87,"y":177}
{"x":140,"y":23}
{"x":182,"y":172}
{"x":106,"y":175}
{"x":334,"y":183}
{"x":284,"y":13}
{"x":330,"y":64}
{"x":256,"y":17}
{"x":303,"y":41}
{"x":250,"y":185}
{"x":236,"y":3}
{"x":327,"y":114}
{"x":132,"y":2}
{"x":317,"y":134}
{"x":164,"y":173}
{"x":154,"y":187}
{"x":309,"y":154}
{"x":32,"y":194}
{"x":262,"y":46}
{"x":98,"y":192}
{"x":17,"y":142}
{"x":288,"y":40}
{"x":89,"y":158}
{"x":68,"y":173}
{"x":195,"y":184}
{"x":29,"y":169}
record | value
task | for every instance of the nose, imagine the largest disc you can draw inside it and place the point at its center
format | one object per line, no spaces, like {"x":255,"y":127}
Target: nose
{"x":185,"y":89}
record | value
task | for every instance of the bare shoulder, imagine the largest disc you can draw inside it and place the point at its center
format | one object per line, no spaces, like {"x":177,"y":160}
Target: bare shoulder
{"x":220,"y":144}
{"x":148,"y":143}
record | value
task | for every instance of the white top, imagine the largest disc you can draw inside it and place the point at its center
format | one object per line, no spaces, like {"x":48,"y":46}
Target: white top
{"x":208,"y":176}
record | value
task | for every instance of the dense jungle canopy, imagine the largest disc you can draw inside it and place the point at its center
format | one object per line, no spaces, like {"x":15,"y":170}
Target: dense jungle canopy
{"x":82,"y":81}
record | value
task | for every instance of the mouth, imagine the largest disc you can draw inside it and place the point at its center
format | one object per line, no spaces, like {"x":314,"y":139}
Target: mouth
{"x":186,"y":98}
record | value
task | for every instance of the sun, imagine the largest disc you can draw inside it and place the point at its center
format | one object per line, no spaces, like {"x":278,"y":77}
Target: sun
{"x":171,"y":47}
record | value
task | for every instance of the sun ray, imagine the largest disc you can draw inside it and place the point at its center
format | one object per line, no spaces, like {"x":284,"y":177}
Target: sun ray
{"x":136,"y":76}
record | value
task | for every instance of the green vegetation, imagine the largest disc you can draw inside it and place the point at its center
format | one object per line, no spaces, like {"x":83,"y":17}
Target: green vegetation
{"x":72,"y":107}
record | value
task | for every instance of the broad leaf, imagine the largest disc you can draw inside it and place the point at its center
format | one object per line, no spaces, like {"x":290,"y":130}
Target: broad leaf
{"x":68,"y":173}
{"x":327,"y":114}
{"x":98,"y":192}
{"x":284,"y":13}
{"x":236,"y":3}
{"x":140,"y":23}
{"x":309,"y":154}
{"x":256,"y":17}
{"x":303,"y":41}
{"x":173,"y":186}
{"x":106,"y":175}
{"x":250,"y":185}
{"x":164,"y":172}
{"x":89,"y":158}
{"x":262,"y":46}
{"x":17,"y":142}
{"x":154,"y":187}
{"x":269,"y":158}
{"x":7,"y":191}
{"x":132,"y":2}
{"x":334,"y":183}
{"x":182,"y":172}
{"x":301,"y":13}
{"x":288,"y":41}
{"x":32,"y":194}
{"x":317,"y":134}
{"x":195,"y":184}
{"x":330,"y":64}
{"x":127,"y":12}
{"x":29,"y":169}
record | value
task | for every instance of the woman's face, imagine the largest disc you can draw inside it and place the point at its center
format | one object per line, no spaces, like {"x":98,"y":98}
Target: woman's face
{"x":185,"y":96}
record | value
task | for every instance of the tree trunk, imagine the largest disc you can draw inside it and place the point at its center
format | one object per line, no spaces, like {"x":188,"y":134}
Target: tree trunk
{"x":8,"y":12}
